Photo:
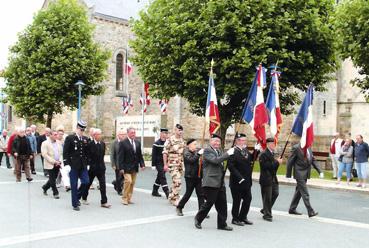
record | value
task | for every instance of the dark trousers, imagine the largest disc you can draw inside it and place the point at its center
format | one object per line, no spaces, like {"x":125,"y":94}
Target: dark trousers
{"x":161,"y":180}
{"x":32,"y":163}
{"x":51,"y":183}
{"x":192,"y":184}
{"x":6,"y":158}
{"x":217,"y":197}
{"x":238,"y":195}
{"x":301,"y":191}
{"x":269,"y":195}
{"x":77,"y":193}
{"x":100,"y":174}
{"x":118,"y":184}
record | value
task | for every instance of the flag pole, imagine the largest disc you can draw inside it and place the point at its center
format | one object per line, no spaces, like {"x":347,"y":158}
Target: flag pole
{"x":285,"y":145}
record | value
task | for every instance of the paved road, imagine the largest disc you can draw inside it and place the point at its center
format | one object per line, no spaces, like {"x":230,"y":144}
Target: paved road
{"x":30,"y":219}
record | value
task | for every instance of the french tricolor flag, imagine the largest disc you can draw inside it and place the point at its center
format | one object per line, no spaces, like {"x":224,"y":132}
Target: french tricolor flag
{"x":272,"y":104}
{"x":254,"y":112}
{"x":212,"y":112}
{"x":303,"y":124}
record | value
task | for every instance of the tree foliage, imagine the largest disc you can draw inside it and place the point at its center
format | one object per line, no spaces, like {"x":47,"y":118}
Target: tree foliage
{"x":352,"y":26}
{"x":52,"y":53}
{"x":176,"y":40}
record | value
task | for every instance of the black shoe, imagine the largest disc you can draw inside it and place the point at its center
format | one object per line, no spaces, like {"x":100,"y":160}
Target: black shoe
{"x":197,"y":224}
{"x":262,"y":211}
{"x":67,"y":189}
{"x":29,"y":179}
{"x":9,"y":167}
{"x":120,"y":193}
{"x":156,"y":194}
{"x":294,"y":212}
{"x":33,"y":172}
{"x":78,"y":203}
{"x":313,"y":214}
{"x":56,"y":197}
{"x":247,"y":222}
{"x":237,"y":223}
{"x":44,"y":190}
{"x":76,"y":208}
{"x":226,"y":228}
{"x":268,"y":219}
{"x":179,"y":211}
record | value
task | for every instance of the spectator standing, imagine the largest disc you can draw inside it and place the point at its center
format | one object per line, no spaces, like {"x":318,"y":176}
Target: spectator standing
{"x":361,"y":159}
{"x":334,"y":151}
{"x":345,"y":161}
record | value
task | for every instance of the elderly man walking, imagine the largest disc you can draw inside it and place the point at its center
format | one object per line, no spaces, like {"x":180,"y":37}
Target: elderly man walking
{"x":4,"y":148}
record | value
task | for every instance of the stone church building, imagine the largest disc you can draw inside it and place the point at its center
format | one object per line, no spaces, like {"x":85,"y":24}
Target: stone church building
{"x":341,"y":108}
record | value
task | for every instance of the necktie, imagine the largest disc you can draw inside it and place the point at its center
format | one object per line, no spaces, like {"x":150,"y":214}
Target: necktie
{"x":133,"y":145}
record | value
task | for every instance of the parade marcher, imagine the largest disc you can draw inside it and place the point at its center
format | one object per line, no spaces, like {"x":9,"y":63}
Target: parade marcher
{"x":40,"y":139}
{"x":193,"y":175}
{"x":97,"y":169}
{"x":52,"y":151}
{"x":75,"y":155}
{"x":10,"y":148}
{"x":158,"y":163}
{"x":361,"y":160}
{"x":301,"y":164}
{"x":334,"y":152}
{"x":22,"y":153}
{"x":33,"y":141}
{"x":213,"y":184}
{"x":114,"y":149}
{"x":268,"y":179}
{"x":173,"y":161}
{"x":4,"y":148}
{"x":345,"y":161}
{"x":240,"y":181}
{"x":130,"y":158}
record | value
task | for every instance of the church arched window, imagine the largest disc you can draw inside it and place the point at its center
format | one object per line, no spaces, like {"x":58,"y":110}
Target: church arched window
{"x":119,"y":72}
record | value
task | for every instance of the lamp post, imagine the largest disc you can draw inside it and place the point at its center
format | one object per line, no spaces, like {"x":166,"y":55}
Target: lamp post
{"x":79,"y":84}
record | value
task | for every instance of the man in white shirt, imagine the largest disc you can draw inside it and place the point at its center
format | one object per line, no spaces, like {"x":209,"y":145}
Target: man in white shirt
{"x":334,"y":151}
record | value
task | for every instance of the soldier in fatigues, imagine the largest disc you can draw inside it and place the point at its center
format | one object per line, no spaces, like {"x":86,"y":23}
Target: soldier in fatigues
{"x":75,"y":155}
{"x":173,"y":161}
{"x":157,"y":162}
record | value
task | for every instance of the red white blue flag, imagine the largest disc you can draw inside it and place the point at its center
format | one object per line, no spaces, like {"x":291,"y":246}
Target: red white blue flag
{"x":254,"y":112}
{"x":272,"y":104}
{"x":127,"y":103}
{"x":145,"y":97}
{"x":163,"y":103}
{"x":303,"y":124}
{"x":212,"y":112}
{"x":127,"y":65}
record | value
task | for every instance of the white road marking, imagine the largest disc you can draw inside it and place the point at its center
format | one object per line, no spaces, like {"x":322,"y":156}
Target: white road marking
{"x":24,"y":181}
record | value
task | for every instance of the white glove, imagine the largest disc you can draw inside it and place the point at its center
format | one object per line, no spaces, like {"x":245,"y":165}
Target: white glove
{"x":257,"y":146}
{"x":201,"y":151}
{"x":321,"y":175}
{"x":88,"y":167}
{"x":241,"y":181}
{"x":230,"y":151}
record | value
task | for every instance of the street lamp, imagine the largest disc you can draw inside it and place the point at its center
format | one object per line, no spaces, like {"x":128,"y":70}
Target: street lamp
{"x":79,"y":84}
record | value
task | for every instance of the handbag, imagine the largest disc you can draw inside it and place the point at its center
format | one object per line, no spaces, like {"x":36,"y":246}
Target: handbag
{"x":354,"y":172}
{"x":340,"y":158}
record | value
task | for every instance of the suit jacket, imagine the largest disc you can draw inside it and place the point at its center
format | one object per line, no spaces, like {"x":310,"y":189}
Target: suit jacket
{"x":114,"y":149}
{"x":40,"y":139}
{"x":129,"y":160}
{"x":76,"y":152}
{"x":191,"y":163}
{"x":16,"y":146}
{"x":301,"y":166}
{"x":213,"y":168}
{"x":47,"y":151}
{"x":157,"y":154}
{"x":239,"y":164}
{"x":96,"y":158}
{"x":268,"y":168}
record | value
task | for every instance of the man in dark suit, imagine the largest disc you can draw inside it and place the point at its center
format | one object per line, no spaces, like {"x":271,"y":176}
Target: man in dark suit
{"x":158,"y":163}
{"x":114,"y":149}
{"x":97,"y":168}
{"x":301,"y":162}
{"x":130,"y":158}
{"x":268,"y":179}
{"x":75,"y":155}
{"x":240,"y":181}
{"x":213,"y":184}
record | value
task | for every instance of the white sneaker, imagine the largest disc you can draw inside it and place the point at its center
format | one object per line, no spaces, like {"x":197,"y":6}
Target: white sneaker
{"x":85,"y":202}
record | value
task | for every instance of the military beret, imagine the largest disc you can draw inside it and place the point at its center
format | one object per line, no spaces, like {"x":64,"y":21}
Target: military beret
{"x":190,"y":141}
{"x":270,"y":140}
{"x":81,"y":124}
{"x":240,"y":135}
{"x":179,"y":126}
{"x":163,"y":129}
{"x":213,"y":136}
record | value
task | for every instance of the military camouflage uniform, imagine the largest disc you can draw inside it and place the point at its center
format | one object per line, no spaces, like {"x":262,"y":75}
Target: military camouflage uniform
{"x":173,"y":147}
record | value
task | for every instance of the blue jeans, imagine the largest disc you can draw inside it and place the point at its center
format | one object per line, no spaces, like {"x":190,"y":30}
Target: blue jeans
{"x":344,"y":166}
{"x":361,"y":170}
{"x":78,"y":192}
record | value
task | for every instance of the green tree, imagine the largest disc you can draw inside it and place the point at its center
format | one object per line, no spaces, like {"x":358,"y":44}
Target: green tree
{"x":352,"y":29}
{"x":52,"y":53}
{"x":176,"y":40}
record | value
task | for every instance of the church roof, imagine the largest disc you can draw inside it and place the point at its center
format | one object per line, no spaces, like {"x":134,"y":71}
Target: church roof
{"x":123,"y":9}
